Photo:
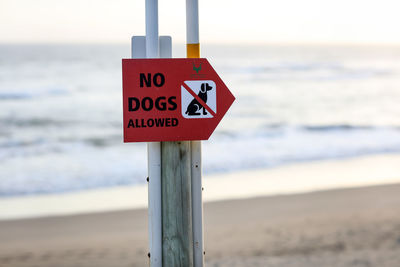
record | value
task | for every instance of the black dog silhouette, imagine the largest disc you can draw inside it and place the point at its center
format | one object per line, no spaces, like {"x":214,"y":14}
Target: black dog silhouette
{"x":194,"y":106}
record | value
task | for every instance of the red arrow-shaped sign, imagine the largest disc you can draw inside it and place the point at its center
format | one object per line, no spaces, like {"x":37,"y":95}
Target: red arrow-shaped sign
{"x":172,"y":99}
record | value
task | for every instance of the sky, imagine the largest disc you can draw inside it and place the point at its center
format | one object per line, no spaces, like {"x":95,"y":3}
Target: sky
{"x":221,"y":21}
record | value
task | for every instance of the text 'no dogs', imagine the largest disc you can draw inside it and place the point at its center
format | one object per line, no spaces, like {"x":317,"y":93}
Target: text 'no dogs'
{"x":172,"y":99}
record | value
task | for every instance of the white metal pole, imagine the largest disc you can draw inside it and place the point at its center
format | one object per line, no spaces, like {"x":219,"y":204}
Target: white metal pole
{"x":152,"y":48}
{"x":197,"y":205}
{"x":192,"y":22}
{"x":154,"y":148}
{"x":193,"y":51}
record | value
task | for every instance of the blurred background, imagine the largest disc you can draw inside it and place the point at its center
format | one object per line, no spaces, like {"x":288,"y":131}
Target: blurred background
{"x":315,"y":81}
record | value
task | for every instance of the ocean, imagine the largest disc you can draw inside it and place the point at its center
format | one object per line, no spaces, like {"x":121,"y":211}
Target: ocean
{"x":61,"y":112}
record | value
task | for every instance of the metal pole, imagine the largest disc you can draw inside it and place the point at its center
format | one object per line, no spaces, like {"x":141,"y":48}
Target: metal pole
{"x":152,"y":48}
{"x":192,"y":29}
{"x":154,"y":149}
{"x":193,"y":51}
{"x":197,"y":204}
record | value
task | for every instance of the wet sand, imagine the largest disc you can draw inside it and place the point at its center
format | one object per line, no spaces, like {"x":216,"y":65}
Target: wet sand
{"x":345,"y":227}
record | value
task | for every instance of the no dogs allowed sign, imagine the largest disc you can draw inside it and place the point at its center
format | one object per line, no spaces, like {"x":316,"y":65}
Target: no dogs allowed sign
{"x":172,"y":99}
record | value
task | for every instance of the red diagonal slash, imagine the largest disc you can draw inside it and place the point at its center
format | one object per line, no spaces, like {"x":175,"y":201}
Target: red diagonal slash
{"x":199,"y":99}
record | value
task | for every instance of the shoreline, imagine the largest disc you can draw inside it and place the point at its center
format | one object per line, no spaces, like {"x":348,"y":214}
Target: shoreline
{"x":289,"y":179}
{"x":340,"y":227}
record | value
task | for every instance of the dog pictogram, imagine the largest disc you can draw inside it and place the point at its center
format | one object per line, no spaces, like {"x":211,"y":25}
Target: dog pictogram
{"x":198,"y":99}
{"x":194,"y":107}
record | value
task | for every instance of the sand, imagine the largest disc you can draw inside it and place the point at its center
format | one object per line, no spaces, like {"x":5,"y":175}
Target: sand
{"x":344,"y":227}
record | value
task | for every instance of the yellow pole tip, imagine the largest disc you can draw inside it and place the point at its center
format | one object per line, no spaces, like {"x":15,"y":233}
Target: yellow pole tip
{"x":193,"y":50}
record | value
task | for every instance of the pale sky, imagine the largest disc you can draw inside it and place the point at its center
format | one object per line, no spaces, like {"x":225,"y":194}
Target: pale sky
{"x":221,"y":21}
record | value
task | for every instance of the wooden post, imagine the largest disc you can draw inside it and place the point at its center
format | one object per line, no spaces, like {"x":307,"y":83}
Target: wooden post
{"x":177,"y":235}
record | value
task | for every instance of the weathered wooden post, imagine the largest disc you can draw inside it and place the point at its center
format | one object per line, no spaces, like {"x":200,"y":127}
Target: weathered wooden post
{"x":182,"y":207}
{"x":177,"y":235}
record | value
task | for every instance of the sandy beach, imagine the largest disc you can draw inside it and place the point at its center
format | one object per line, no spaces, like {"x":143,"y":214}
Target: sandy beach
{"x":343,"y":227}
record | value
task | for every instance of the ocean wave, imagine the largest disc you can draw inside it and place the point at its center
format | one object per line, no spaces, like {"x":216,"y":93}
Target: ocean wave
{"x":292,"y":67}
{"x":104,"y":141}
{"x":14,"y":96}
{"x":41,"y":166}
{"x":22,"y":143}
{"x":83,"y":169}
{"x":34,"y":122}
{"x":51,"y":144}
{"x":38,"y":93}
{"x":291,"y":144}
{"x":266,"y":128}
{"x":339,"y":127}
{"x":307,"y":71}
